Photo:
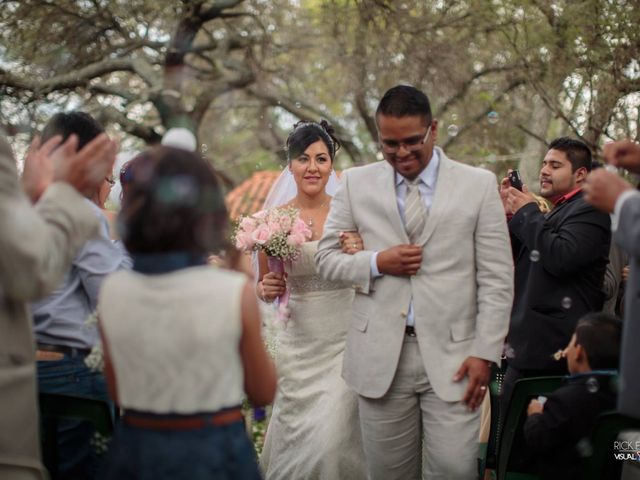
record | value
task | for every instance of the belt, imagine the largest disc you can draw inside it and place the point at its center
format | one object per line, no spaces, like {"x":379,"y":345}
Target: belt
{"x":182,"y":422}
{"x":63,"y":349}
{"x":410,"y":330}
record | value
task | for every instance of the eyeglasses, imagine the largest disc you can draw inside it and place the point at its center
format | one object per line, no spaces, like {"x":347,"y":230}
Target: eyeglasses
{"x":110,"y":180}
{"x":410,"y":145}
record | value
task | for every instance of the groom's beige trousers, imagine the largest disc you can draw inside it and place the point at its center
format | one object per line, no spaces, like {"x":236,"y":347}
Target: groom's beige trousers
{"x":392,"y":428}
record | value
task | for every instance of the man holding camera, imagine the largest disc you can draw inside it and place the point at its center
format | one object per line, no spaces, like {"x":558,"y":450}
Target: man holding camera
{"x":560,"y":259}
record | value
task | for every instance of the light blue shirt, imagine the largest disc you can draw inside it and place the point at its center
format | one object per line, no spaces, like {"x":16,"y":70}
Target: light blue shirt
{"x":61,"y":318}
{"x":428,"y":178}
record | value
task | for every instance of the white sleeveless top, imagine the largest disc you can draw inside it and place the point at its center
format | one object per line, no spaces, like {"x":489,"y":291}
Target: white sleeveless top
{"x":174,"y":339}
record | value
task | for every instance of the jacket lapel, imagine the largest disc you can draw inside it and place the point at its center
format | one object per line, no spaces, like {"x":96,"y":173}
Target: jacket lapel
{"x":444,"y":188}
{"x":387,"y":193}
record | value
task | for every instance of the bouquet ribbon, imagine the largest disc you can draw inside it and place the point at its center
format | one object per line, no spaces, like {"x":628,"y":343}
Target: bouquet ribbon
{"x":276,"y":265}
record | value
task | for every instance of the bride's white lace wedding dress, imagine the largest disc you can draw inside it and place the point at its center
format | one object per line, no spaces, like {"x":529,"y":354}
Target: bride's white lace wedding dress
{"x":314,"y":431}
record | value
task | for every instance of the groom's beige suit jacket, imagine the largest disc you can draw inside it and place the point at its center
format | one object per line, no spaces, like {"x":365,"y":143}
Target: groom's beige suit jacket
{"x":462,"y":293}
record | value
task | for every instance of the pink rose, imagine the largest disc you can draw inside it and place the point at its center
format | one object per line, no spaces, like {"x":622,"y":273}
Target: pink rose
{"x":274,"y":226}
{"x":248,"y":224}
{"x":244,"y":241}
{"x":300,"y":228}
{"x":296,"y":239}
{"x":261,"y":234}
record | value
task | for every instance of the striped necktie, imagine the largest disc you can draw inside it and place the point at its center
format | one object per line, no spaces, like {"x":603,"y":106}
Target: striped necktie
{"x":415,"y":213}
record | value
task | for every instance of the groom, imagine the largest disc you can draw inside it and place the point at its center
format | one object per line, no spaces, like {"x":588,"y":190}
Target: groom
{"x":433,"y":294}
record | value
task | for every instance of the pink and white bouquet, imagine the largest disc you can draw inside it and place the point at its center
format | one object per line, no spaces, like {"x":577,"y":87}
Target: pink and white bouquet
{"x":279,"y":233}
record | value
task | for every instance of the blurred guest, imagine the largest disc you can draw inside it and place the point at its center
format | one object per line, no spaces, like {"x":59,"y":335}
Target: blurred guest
{"x":543,"y":205}
{"x":36,"y":248}
{"x":181,"y":338}
{"x":560,"y":260}
{"x":64,"y":332}
{"x":140,"y":167}
{"x":556,"y":423}
{"x":610,"y":193}
{"x":614,"y":278}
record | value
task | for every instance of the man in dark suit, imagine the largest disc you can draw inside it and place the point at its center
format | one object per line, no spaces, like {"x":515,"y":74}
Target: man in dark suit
{"x":610,"y":193}
{"x":560,"y":259}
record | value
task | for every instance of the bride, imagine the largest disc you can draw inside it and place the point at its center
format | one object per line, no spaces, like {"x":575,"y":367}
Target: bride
{"x":314,"y":432}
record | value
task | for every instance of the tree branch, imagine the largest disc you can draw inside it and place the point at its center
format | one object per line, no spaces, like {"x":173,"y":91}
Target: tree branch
{"x":217,"y":8}
{"x":110,"y":114}
{"x":532,"y":134}
{"x":102,"y":89}
{"x":474,"y":121}
{"x":76,"y":78}
{"x":310,"y":113}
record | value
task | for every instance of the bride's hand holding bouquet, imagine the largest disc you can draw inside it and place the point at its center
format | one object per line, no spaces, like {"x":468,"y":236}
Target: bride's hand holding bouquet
{"x":279,"y":233}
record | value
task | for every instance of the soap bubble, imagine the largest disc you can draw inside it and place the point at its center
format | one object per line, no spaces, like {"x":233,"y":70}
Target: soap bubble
{"x":592,"y":385}
{"x":298,"y":105}
{"x":453,"y":130}
{"x":566,"y":303}
{"x":493,"y":117}
{"x":534,"y":256}
{"x":508,"y":351}
{"x":584,"y":447}
{"x":610,"y":168}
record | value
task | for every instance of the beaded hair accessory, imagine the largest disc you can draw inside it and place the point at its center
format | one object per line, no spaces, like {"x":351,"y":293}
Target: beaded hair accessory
{"x":324,"y":128}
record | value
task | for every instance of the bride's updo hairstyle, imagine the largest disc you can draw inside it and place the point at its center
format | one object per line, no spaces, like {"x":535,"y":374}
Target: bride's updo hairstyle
{"x":306,"y":133}
{"x":174,"y":204}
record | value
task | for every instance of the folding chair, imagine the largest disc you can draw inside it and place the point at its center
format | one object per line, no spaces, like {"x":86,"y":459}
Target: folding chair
{"x":602,"y":463}
{"x":524,"y":390}
{"x":488,"y":452}
{"x":55,"y":407}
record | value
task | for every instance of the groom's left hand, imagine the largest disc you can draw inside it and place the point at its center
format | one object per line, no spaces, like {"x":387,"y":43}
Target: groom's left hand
{"x":479,"y":373}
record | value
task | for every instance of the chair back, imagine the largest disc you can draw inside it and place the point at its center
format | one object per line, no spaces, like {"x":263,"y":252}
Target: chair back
{"x":602,"y":462}
{"x":489,"y":450}
{"x":55,"y":407}
{"x":523,"y":391}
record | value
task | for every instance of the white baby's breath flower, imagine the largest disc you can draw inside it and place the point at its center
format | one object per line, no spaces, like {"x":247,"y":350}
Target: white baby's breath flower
{"x":92,"y":320}
{"x":95,"y":359}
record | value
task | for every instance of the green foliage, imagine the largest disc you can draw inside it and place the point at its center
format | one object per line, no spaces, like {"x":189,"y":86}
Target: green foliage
{"x":244,"y":75}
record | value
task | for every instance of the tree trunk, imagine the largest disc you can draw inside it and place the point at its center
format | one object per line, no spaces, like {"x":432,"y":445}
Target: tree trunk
{"x":535,"y":149}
